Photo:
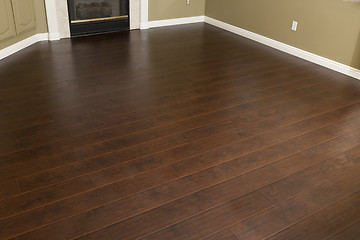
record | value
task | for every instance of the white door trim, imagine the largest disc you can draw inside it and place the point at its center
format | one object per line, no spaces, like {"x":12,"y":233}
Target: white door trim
{"x":51,"y":16}
{"x":144,"y":11}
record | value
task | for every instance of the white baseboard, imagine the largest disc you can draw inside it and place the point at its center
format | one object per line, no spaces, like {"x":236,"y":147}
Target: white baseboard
{"x":325,"y":62}
{"x":144,"y":25}
{"x":23,"y":44}
{"x":176,"y":21}
{"x":54,"y":36}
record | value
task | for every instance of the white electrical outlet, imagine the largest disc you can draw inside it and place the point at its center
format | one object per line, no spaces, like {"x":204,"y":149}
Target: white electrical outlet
{"x":294,"y":26}
{"x":188,"y":2}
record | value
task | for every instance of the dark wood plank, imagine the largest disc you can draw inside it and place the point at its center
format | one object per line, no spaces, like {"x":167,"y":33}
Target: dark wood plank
{"x":99,"y":181}
{"x":351,"y":232}
{"x":8,"y":171}
{"x":340,"y":170}
{"x":186,"y":90}
{"x":325,"y":223}
{"x":333,"y":179}
{"x":8,"y":146}
{"x":223,"y":235}
{"x":89,"y":195}
{"x":98,"y":235}
{"x":258,"y":128}
{"x":236,"y":164}
{"x":24,"y":202}
{"x":185,"y":132}
{"x":182,"y":192}
{"x":49,"y":150}
{"x":316,"y":174}
{"x":212,"y":220}
{"x":96,"y":198}
{"x":284,"y":214}
{"x":8,"y":189}
{"x":116,"y":174}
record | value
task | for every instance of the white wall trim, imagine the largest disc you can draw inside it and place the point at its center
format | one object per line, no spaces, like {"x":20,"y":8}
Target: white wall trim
{"x":23,"y":44}
{"x":54,"y":36}
{"x":176,"y":21}
{"x":325,"y":62}
{"x":144,"y":14}
{"x":52,"y":22}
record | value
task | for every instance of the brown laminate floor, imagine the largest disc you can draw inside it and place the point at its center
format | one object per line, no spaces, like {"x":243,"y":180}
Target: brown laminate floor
{"x":185,"y":132}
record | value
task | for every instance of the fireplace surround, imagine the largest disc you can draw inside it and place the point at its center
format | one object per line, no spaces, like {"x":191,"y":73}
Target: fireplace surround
{"x":58,"y":21}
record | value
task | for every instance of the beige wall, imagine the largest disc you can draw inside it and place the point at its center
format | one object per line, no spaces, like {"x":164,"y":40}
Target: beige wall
{"x":167,"y":9}
{"x":40,"y":21}
{"x":329,"y":28}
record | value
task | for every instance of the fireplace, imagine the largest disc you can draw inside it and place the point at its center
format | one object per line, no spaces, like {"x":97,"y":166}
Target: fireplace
{"x":98,"y":16}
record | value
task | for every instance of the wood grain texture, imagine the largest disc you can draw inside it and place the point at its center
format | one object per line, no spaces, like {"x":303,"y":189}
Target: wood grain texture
{"x":185,"y":132}
{"x":224,"y":235}
{"x":349,"y":232}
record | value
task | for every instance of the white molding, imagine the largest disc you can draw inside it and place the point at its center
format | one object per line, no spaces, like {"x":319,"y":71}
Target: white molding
{"x":62,"y":19}
{"x":54,"y":36}
{"x":176,"y":21}
{"x":52,"y":22}
{"x":134,"y":13}
{"x":144,"y":25}
{"x":144,"y":14}
{"x":325,"y":62}
{"x":23,"y":44}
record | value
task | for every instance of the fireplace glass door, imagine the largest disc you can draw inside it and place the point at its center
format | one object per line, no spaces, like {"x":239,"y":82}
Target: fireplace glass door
{"x":97,"y":16}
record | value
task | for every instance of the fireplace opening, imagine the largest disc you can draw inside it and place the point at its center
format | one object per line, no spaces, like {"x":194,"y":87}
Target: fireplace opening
{"x":98,"y":16}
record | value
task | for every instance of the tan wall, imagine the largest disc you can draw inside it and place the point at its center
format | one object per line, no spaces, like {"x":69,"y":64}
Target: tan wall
{"x":167,"y":9}
{"x":40,"y":21}
{"x":329,"y":28}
